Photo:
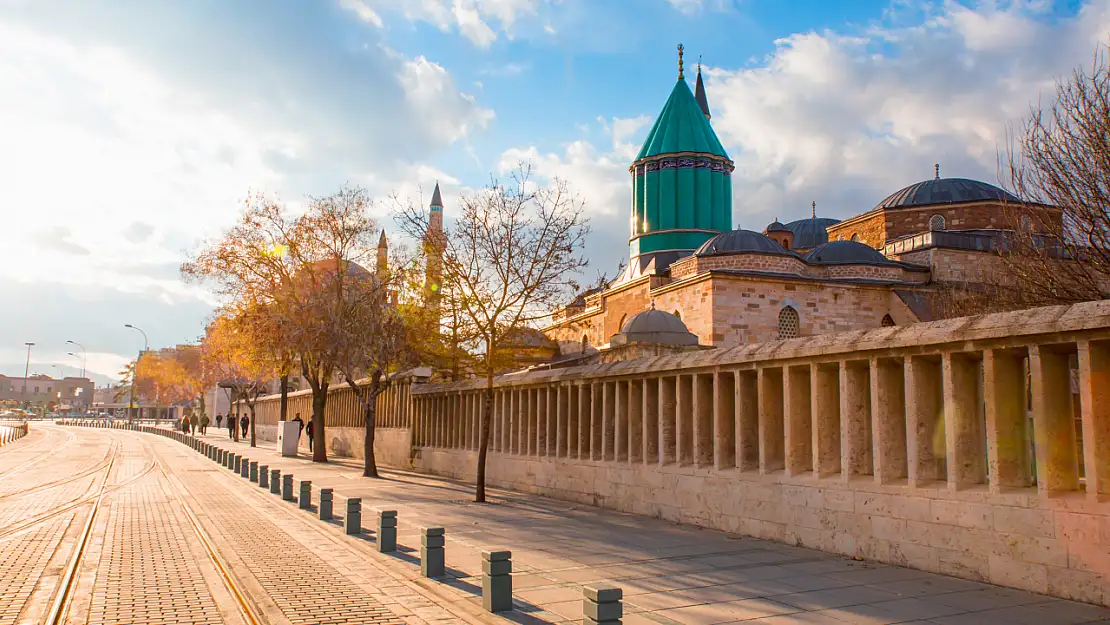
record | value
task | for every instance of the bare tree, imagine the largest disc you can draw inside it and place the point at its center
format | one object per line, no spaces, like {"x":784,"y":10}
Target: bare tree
{"x":1059,"y":164}
{"x":509,"y":258}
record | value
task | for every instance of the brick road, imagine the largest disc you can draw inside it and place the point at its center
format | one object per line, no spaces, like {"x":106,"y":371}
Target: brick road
{"x":144,"y":561}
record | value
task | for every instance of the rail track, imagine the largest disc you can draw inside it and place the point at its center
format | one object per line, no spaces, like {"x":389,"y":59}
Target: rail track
{"x":71,"y":437}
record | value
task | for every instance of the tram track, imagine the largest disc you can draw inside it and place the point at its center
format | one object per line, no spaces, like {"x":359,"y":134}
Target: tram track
{"x":64,"y":480}
{"x":71,"y":437}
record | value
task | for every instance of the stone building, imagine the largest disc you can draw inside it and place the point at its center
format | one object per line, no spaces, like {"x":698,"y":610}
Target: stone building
{"x":811,"y":276}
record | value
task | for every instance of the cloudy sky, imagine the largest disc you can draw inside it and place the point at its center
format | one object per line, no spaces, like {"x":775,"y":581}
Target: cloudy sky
{"x":131,"y":131}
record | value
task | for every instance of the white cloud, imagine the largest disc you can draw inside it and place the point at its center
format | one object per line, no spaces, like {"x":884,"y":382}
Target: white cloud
{"x":445,"y":113}
{"x":688,"y":7}
{"x":480,"y":21}
{"x":363,"y":11}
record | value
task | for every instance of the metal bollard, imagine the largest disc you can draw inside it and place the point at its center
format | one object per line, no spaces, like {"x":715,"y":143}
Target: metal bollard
{"x":254,"y":471}
{"x":287,"y":487}
{"x":325,"y":504}
{"x":245,"y":467}
{"x":353,"y":523}
{"x":304,"y":502}
{"x":387,"y":531}
{"x":497,"y":581}
{"x":602,"y":604}
{"x":432,"y":540}
{"x":263,"y":476}
{"x":275,"y":481}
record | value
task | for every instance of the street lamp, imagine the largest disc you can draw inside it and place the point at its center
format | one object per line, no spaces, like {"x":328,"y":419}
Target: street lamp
{"x":26,"y":372}
{"x":146,"y":347}
{"x":84,"y":355}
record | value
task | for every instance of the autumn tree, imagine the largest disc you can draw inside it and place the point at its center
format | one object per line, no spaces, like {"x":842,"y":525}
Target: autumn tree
{"x":252,"y":265}
{"x":509,"y":258}
{"x":1059,"y":164}
{"x":335,"y":241}
{"x":237,"y":358}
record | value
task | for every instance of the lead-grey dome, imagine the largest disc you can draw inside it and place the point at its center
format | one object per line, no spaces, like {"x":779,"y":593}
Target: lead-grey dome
{"x":810,"y":232}
{"x":736,"y":241}
{"x":846,"y":252}
{"x":945,"y":191}
{"x":655,"y":326}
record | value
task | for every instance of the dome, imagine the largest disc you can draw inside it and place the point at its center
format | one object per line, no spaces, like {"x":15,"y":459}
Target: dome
{"x":737,"y":241}
{"x":945,"y":191}
{"x":777,"y":226}
{"x":655,"y":326}
{"x":845,"y":252}
{"x":811,"y":232}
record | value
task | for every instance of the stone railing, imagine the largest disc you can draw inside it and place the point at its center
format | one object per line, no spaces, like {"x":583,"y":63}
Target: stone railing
{"x":977,"y":447}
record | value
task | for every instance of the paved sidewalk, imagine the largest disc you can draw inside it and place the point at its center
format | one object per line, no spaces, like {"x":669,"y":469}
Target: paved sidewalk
{"x":669,"y":573}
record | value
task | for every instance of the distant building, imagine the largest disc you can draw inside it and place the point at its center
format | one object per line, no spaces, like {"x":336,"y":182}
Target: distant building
{"x":42,"y":391}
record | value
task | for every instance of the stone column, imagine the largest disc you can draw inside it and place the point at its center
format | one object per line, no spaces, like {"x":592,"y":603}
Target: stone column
{"x":924,"y":421}
{"x":667,"y":408}
{"x":825,"y":405}
{"x":771,"y":427}
{"x":572,"y":420}
{"x":1053,"y":423}
{"x":888,"y":419}
{"x":1007,"y":439}
{"x":747,"y":420}
{"x":724,"y":419}
{"x":620,"y":421}
{"x":703,"y":420}
{"x":540,"y":448}
{"x":635,"y":420}
{"x":797,"y":419}
{"x":1094,"y":400}
{"x":560,"y":421}
{"x":552,"y":420}
{"x":684,"y":419}
{"x":597,"y":420}
{"x":963,"y":424}
{"x":855,"y":417}
{"x":608,"y":419}
{"x":585,"y":403}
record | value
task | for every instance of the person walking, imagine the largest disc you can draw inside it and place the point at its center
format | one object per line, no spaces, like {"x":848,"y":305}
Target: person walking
{"x":308,"y":430}
{"x":185,"y":424}
{"x":219,"y":420}
{"x":300,"y":427}
{"x":203,"y":424}
{"x":230,"y":426}
{"x":243,"y":423}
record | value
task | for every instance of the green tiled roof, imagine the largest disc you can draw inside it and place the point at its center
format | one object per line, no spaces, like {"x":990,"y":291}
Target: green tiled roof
{"x":681,"y":127}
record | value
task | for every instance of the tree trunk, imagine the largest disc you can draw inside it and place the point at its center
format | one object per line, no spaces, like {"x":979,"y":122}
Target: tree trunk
{"x":483,"y":443}
{"x":251,"y":406}
{"x":319,"y":436}
{"x":370,"y":464}
{"x":284,"y":411}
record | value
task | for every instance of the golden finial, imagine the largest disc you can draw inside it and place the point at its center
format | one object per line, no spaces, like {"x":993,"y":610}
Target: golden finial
{"x":680,"y":75}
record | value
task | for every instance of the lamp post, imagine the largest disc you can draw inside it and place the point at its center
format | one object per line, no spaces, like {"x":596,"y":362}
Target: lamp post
{"x":26,"y":372}
{"x":146,"y":347}
{"x":75,"y":393}
{"x":84,"y":355}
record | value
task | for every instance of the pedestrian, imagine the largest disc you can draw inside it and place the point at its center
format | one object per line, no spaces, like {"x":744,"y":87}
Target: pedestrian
{"x":203,"y":424}
{"x":185,"y":424}
{"x":230,"y":426}
{"x":243,"y":423}
{"x":300,"y":427}
{"x":219,"y":420}
{"x":308,"y":430}
{"x":194,"y":421}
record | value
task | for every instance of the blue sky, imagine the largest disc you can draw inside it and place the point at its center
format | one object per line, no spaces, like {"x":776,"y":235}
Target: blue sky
{"x":129,"y":132}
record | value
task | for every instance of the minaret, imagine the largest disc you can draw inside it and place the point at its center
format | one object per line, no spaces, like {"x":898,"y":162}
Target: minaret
{"x":433,"y":271}
{"x":699,"y":94}
{"x":382,"y":267}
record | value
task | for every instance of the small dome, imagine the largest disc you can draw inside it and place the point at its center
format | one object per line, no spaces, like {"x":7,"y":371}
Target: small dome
{"x":655,"y":326}
{"x":945,"y":191}
{"x":845,"y":252}
{"x":737,"y":241}
{"x":525,"y":338}
{"x":811,"y":232}
{"x":777,"y":226}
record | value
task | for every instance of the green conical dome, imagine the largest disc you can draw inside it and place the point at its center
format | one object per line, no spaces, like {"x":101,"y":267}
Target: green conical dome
{"x":681,"y":183}
{"x":681,"y":127}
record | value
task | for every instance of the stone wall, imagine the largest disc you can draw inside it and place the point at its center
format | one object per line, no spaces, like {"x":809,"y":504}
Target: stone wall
{"x":877,"y":227}
{"x":911,"y":445}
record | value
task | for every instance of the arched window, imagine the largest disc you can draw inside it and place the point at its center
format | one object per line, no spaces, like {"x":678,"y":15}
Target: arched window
{"x":888,"y":321}
{"x":788,"y":323}
{"x":936,"y":222}
{"x":855,"y":237}
{"x":585,"y":342}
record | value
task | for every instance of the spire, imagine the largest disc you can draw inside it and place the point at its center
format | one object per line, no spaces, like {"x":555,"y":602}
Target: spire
{"x":437,"y":201}
{"x":680,"y":75}
{"x":937,"y":168}
{"x":382,"y":242}
{"x":813,"y":210}
{"x":699,"y":94}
